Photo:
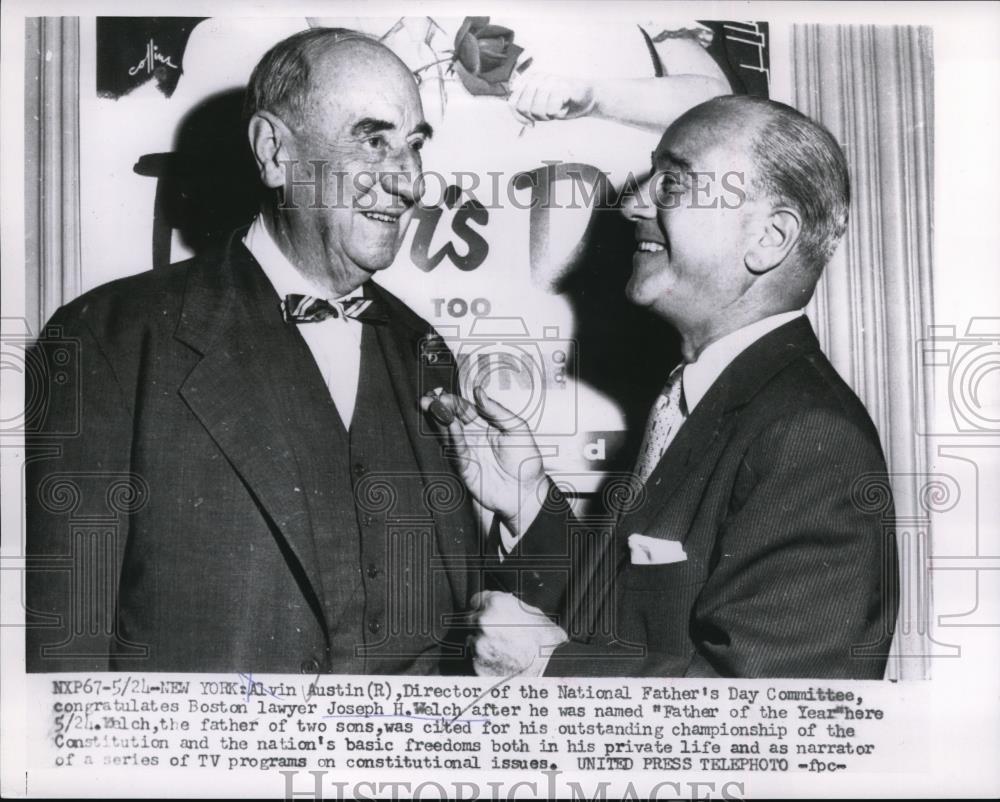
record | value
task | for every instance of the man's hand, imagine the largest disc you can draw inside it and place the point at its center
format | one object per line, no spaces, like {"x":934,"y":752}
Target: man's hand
{"x":495,"y":453}
{"x":514,"y":638}
{"x":541,"y":96}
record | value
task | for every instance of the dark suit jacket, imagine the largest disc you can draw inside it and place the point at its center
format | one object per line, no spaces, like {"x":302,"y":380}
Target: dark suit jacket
{"x":790,"y":571}
{"x":185,"y":477}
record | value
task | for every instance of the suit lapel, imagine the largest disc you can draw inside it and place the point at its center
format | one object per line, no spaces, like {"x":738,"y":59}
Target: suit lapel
{"x":736,"y":385}
{"x":400,"y":346}
{"x":692,"y":443}
{"x":231,"y":318}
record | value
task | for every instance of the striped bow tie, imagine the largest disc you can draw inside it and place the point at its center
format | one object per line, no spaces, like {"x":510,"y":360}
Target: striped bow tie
{"x":307,"y":309}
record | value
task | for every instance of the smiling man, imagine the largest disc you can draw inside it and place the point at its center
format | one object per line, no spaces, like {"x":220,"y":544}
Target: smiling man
{"x":259,"y":402}
{"x":748,"y":551}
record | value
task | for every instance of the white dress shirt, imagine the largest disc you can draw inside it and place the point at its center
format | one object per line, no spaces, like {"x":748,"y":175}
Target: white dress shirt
{"x":335,"y":343}
{"x":701,"y":374}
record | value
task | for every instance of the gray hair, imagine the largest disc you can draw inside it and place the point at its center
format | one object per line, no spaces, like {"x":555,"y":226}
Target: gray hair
{"x":798,"y":164}
{"x":280,"y":82}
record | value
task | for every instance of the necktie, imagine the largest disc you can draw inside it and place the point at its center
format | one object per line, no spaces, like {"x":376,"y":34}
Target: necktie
{"x":664,"y":421}
{"x":309,"y":309}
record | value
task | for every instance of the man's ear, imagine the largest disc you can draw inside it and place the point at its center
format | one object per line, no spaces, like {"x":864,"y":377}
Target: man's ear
{"x":268,"y":136}
{"x":772,"y":245}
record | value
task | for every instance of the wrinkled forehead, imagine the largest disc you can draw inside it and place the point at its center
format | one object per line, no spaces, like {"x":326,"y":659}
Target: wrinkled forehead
{"x":705,"y":142}
{"x":359,"y":78}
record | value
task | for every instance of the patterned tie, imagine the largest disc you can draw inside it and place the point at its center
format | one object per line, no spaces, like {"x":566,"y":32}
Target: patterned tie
{"x":308,"y":309}
{"x":664,"y":421}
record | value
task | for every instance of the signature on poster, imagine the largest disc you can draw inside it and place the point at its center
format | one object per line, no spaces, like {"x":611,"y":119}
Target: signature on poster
{"x":152,"y":57}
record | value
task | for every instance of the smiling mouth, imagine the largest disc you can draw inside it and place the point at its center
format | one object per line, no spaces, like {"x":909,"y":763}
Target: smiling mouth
{"x":381,"y":218}
{"x":647,"y":246}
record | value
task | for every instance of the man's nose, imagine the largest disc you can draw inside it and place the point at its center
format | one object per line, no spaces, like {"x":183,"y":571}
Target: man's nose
{"x":402,"y":181}
{"x":400,"y":184}
{"x":639,"y":204}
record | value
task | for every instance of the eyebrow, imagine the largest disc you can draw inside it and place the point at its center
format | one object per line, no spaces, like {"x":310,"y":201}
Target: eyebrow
{"x":671,"y":158}
{"x":425,"y":129}
{"x":371,"y":125}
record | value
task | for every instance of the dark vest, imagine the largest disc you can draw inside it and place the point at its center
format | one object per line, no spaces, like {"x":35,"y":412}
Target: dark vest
{"x":381,"y":599}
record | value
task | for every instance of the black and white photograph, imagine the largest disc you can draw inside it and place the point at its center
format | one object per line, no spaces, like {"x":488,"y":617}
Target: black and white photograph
{"x":516,"y":401}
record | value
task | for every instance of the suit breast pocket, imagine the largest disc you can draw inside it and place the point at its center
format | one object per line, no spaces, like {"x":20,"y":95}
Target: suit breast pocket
{"x":656,"y":603}
{"x":663,"y":578}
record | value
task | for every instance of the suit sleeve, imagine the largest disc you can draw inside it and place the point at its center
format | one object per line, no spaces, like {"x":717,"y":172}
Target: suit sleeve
{"x":544,"y":566}
{"x":77,"y":457}
{"x":804,"y":577}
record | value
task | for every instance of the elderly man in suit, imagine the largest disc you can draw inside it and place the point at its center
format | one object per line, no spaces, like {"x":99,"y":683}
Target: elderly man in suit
{"x":742,"y":553}
{"x":285,"y":510}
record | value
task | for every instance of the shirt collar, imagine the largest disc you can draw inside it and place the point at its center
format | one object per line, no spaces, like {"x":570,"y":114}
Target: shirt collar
{"x":283,"y":275}
{"x":700,"y":375}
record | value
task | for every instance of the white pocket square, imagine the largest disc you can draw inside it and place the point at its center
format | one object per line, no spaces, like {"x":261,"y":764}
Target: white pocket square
{"x":647,"y":550}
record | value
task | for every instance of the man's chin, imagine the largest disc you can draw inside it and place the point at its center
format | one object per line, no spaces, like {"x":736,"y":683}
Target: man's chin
{"x":634,"y":293}
{"x":374,"y":263}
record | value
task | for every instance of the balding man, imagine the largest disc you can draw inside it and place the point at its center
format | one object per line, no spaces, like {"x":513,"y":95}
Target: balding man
{"x":747,"y":550}
{"x":286,"y":512}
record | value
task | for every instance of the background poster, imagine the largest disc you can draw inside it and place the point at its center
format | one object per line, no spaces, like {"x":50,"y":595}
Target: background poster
{"x":534,"y":295}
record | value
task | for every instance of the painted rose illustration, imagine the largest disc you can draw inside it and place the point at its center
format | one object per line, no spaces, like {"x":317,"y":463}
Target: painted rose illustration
{"x":485,"y":56}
